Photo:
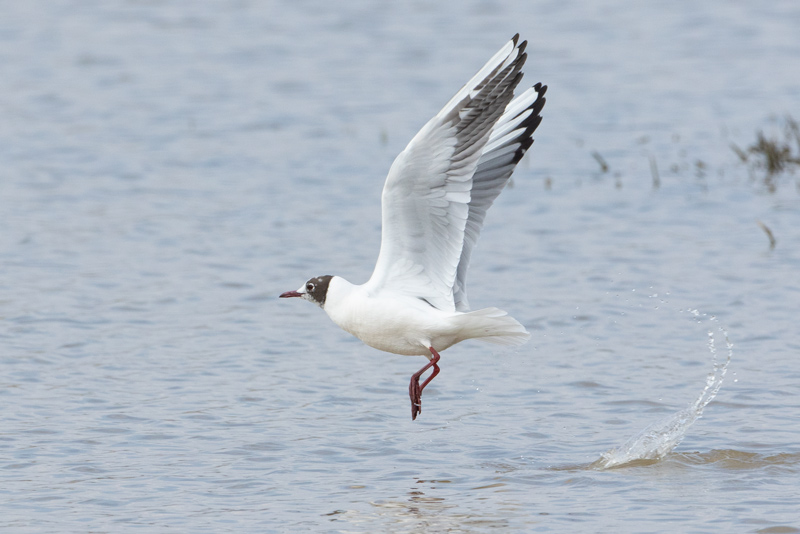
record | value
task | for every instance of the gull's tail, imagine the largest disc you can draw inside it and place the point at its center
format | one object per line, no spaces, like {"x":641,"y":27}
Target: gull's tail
{"x":494,"y":326}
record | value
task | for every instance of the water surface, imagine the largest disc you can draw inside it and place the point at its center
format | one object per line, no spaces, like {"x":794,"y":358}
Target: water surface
{"x":168,"y":169}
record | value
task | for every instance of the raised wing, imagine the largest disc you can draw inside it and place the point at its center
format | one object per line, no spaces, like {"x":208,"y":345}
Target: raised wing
{"x":427,"y":195}
{"x":508,"y":142}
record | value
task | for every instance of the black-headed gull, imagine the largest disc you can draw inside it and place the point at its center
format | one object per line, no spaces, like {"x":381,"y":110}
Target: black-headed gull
{"x":434,"y":203}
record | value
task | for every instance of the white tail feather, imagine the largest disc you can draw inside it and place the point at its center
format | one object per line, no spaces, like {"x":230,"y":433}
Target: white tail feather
{"x":493,"y":325}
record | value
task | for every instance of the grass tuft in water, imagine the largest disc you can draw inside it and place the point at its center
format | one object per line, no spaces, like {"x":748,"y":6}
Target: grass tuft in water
{"x":600,"y":161}
{"x":773,"y":156}
{"x":769,"y":233}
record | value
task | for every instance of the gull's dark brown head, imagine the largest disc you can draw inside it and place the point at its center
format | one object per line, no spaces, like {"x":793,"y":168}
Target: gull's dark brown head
{"x":315,"y":290}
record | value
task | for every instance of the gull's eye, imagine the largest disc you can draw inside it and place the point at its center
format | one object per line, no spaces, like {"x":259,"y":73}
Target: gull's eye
{"x":310,"y":287}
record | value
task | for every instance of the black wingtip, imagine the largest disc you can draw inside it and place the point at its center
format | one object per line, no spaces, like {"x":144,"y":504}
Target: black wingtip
{"x":538,"y":104}
{"x":521,"y":62}
{"x":523,"y":147}
{"x":531,"y":123}
{"x":515,"y":38}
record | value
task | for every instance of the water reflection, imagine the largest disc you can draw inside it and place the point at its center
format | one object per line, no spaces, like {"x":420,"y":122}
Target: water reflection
{"x":422,"y":512}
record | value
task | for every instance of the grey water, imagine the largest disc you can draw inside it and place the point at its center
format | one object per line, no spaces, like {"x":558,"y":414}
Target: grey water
{"x":168,"y":168}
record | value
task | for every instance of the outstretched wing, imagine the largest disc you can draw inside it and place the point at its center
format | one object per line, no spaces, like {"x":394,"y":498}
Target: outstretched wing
{"x":426,"y":198}
{"x":511,"y":137}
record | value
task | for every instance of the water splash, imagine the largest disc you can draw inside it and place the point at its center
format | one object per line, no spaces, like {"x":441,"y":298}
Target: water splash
{"x":661,"y":437}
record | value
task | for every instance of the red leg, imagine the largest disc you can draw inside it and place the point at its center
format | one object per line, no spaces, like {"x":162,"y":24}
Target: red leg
{"x":415,"y":390}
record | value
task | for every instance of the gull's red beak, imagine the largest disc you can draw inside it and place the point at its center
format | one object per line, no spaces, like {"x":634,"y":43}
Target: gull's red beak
{"x":289,"y":294}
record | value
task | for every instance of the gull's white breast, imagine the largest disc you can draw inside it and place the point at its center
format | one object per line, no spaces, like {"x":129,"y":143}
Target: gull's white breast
{"x":390,"y":321}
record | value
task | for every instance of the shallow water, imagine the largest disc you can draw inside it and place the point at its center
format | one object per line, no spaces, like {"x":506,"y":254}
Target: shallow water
{"x":168,"y":169}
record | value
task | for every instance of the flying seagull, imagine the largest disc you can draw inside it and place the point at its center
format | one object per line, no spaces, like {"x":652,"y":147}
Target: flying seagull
{"x":433,"y":206}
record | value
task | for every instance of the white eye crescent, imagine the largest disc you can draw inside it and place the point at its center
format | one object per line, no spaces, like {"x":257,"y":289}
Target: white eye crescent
{"x":310,"y":287}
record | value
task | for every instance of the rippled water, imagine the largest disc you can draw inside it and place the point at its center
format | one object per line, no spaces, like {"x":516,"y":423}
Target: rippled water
{"x":169,"y":168}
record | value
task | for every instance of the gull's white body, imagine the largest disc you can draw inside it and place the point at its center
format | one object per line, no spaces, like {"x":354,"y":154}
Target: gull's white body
{"x":397,"y":323}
